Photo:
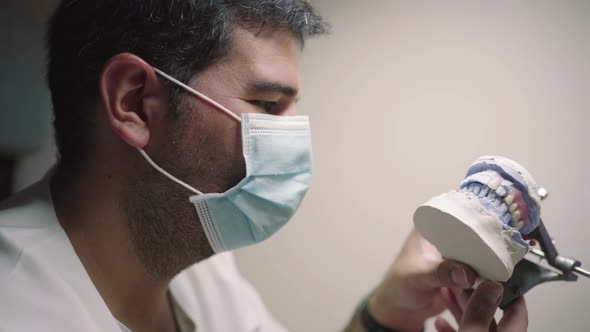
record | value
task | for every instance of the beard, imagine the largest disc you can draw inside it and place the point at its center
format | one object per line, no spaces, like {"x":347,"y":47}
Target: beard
{"x":164,"y":227}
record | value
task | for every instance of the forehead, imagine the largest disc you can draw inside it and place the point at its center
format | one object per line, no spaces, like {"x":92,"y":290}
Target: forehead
{"x":266,"y":54}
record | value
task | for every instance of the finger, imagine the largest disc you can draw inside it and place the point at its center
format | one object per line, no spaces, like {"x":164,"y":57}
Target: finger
{"x":493,"y":326}
{"x":515,"y":317}
{"x":450,"y":274}
{"x":450,"y":301}
{"x":462,"y":296}
{"x":481,"y":308}
{"x":442,"y":325}
{"x":436,"y":305}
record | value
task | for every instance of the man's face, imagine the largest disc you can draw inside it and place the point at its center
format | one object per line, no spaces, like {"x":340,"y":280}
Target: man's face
{"x":203,"y":146}
{"x":260,"y":75}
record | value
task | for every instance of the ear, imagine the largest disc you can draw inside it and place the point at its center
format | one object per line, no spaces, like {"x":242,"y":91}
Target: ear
{"x":132,"y":98}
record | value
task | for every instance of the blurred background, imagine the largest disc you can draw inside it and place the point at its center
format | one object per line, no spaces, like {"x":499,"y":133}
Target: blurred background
{"x":403,"y":95}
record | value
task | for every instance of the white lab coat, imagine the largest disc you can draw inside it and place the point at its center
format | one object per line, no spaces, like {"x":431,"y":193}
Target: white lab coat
{"x":44,"y":286}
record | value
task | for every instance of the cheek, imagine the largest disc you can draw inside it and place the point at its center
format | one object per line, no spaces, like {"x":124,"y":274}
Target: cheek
{"x":212,"y":152}
{"x":238,"y":152}
{"x":228,"y":164}
{"x":237,"y":166}
{"x":224,"y":139}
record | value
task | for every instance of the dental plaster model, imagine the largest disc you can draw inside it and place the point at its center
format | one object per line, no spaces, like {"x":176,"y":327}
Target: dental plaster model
{"x":483,"y":222}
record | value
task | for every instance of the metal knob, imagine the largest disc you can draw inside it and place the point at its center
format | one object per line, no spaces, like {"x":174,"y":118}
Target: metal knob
{"x":543,"y":193}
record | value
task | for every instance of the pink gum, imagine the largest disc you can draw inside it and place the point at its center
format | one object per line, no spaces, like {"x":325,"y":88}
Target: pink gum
{"x":519,"y":200}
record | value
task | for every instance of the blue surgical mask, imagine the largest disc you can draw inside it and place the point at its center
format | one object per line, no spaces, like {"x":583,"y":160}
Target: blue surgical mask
{"x":277,"y":151}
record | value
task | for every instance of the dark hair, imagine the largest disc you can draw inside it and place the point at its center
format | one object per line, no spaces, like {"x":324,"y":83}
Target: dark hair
{"x":180,"y":37}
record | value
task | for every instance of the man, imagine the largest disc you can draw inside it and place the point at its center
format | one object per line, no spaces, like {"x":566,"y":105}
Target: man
{"x":178,"y":142}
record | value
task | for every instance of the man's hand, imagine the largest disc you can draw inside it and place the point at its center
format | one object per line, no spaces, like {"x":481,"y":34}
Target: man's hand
{"x":415,"y":288}
{"x":411,"y":290}
{"x":475,"y":312}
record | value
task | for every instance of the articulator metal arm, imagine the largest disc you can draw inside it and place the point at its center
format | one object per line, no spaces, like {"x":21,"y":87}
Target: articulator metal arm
{"x":528,"y":274}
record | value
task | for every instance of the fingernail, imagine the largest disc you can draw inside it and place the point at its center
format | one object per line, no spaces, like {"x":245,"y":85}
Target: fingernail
{"x":459,"y":277}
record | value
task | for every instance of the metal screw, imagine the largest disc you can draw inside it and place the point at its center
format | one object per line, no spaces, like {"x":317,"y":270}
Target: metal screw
{"x":543,"y":193}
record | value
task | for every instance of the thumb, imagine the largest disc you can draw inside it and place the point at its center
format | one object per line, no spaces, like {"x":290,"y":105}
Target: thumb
{"x":449,"y":273}
{"x":481,"y":308}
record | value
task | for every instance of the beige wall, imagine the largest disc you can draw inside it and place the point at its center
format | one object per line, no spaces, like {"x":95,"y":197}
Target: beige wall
{"x":404,"y":96}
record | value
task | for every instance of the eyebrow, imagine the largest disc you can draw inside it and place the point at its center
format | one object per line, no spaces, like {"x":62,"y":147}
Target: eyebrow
{"x":266,"y":87}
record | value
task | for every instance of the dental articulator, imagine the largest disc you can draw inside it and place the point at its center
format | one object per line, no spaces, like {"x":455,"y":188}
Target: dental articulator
{"x":491,"y":222}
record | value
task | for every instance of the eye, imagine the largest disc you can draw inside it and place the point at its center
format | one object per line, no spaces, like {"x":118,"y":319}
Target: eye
{"x":267,"y":106}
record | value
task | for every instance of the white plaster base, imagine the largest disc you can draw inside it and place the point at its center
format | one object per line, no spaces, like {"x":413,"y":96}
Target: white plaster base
{"x":464,"y":231}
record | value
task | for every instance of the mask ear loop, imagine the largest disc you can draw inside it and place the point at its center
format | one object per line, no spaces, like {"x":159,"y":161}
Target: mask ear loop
{"x":198,"y":94}
{"x":170,"y":176}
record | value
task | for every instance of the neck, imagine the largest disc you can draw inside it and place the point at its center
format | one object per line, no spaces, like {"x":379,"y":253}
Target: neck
{"x":88,"y":208}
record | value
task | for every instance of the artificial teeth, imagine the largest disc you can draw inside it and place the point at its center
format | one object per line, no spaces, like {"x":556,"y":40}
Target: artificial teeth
{"x":509,"y":199}
{"x":501,"y":191}
{"x":484,"y":191}
{"x":516,"y":215}
{"x":519,"y":224}
{"x":477,"y":189}
{"x":495,"y":184}
{"x":506,"y":218}
{"x":503,"y":208}
{"x":513,"y":207}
